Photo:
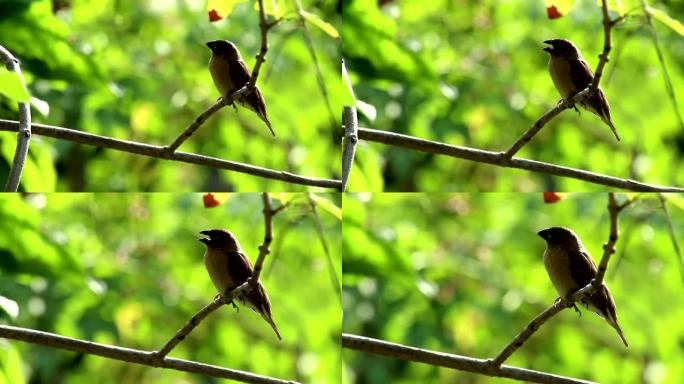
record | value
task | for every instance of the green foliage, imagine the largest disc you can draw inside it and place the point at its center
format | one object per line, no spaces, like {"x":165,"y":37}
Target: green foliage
{"x":126,"y":269}
{"x":473,"y":73}
{"x":139,"y":72}
{"x":462,"y":273}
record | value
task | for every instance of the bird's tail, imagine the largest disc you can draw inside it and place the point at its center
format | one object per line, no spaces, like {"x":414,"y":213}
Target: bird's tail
{"x":270,"y":321}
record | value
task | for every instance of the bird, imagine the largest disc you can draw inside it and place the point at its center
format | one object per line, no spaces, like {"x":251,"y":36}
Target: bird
{"x":570,"y":268}
{"x":229,"y":267}
{"x":230,"y":73}
{"x":571,"y":74}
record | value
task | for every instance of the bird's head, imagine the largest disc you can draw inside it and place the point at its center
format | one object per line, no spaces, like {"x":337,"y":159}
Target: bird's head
{"x":224,"y":48}
{"x":219,"y":238}
{"x":555,"y":236}
{"x":562,"y":48}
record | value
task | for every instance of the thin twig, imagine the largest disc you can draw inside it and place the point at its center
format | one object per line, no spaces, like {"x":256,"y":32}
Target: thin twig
{"x":566,"y":104}
{"x":162,"y":153}
{"x":312,"y":53}
{"x":331,"y":265}
{"x":463,"y":363}
{"x":249,"y":284}
{"x":222,"y":102}
{"x":351,"y":126}
{"x":131,"y":355}
{"x":24,"y":132}
{"x":608,"y":249}
{"x":495,"y":158}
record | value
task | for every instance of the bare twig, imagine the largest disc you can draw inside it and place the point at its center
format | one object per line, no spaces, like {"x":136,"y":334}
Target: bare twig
{"x":463,"y":363}
{"x":331,"y":265}
{"x":249,"y":284}
{"x":24,"y":131}
{"x":162,"y":153}
{"x":495,"y":158}
{"x":587,"y":92}
{"x":608,"y":249}
{"x":249,"y":87}
{"x":351,"y":125}
{"x":131,"y":355}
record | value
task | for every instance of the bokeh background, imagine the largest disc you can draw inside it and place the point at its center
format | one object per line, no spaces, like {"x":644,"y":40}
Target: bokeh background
{"x":463,"y":274}
{"x":473,"y":73}
{"x":138,"y":71}
{"x":127,"y":269}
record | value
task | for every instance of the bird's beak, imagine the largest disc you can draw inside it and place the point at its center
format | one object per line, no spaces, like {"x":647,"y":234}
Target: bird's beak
{"x":542,"y":234}
{"x":204,"y":239}
{"x":548,"y":49}
{"x":210,"y":44}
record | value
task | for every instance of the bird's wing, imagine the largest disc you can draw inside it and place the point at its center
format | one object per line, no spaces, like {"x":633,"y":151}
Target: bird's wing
{"x":582,"y":267}
{"x":580,"y":74}
{"x":239,"y":267}
{"x":239,"y":73}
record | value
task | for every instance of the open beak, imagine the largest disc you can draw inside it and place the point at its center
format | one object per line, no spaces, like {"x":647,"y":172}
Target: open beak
{"x":548,"y":49}
{"x":204,"y":240}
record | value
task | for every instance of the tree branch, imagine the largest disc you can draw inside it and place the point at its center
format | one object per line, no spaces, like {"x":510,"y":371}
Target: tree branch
{"x":131,"y":355}
{"x":24,"y":130}
{"x":249,"y":87}
{"x":566,"y":104}
{"x":162,"y":153}
{"x":351,"y":125}
{"x":496,"y":158}
{"x":463,"y":363}
{"x":222,"y":298}
{"x":608,"y":249}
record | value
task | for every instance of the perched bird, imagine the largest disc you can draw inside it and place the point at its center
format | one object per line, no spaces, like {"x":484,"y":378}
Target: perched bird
{"x":571,"y":74}
{"x":230,"y":73}
{"x":229,"y":267}
{"x":570,"y":268}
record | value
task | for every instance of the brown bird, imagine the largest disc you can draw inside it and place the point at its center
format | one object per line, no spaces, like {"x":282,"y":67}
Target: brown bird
{"x":570,"y":268}
{"x":230,"y":73}
{"x":229,"y":267}
{"x":571,"y":74}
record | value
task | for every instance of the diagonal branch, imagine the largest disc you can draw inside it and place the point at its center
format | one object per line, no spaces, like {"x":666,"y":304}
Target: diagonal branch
{"x":495,"y":158}
{"x":608,"y":24}
{"x":248,"y":285}
{"x":131,"y":355}
{"x":24,"y":131}
{"x":608,"y":250}
{"x":162,"y":153}
{"x":249,"y":87}
{"x":351,"y":126}
{"x":462,"y":363}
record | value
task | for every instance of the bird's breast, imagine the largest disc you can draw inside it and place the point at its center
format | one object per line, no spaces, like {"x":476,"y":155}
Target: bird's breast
{"x":220,"y":73}
{"x":557,"y":263}
{"x":559,"y":69}
{"x":216,"y":262}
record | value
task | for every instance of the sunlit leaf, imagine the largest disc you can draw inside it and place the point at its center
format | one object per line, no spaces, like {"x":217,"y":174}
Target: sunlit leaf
{"x":12,"y":87}
{"x":556,"y":9}
{"x":664,"y":18}
{"x":327,"y":205}
{"x":318,"y":22}
{"x":220,"y":9}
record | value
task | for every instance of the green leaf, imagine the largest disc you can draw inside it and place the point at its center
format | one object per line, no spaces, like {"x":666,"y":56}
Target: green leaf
{"x":664,"y":18}
{"x":12,"y":87}
{"x":317,"y":21}
{"x":327,"y":205}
